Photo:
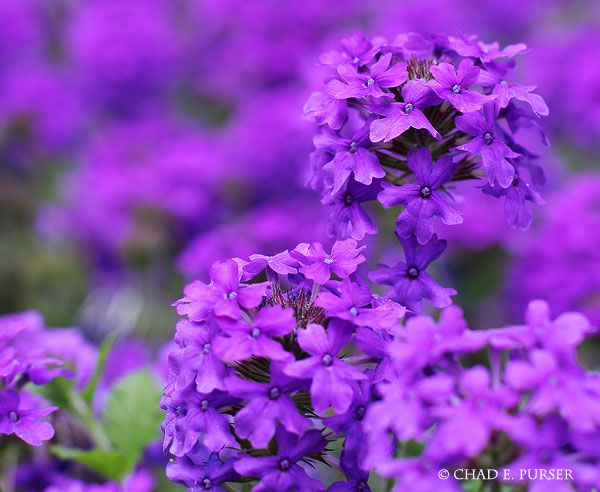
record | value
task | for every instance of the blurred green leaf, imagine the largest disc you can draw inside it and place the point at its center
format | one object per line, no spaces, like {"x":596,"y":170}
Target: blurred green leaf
{"x":89,"y":391}
{"x":59,"y":392}
{"x":110,"y":464}
{"x":133,"y":416}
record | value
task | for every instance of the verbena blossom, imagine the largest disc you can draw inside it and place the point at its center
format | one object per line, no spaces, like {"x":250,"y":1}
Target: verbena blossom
{"x":31,"y":355}
{"x":277,"y":366}
{"x":404,"y":396}
{"x":421,"y":113}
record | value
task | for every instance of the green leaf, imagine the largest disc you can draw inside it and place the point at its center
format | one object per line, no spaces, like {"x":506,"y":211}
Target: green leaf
{"x":110,"y":464}
{"x":90,"y":389}
{"x":59,"y":391}
{"x":133,"y":416}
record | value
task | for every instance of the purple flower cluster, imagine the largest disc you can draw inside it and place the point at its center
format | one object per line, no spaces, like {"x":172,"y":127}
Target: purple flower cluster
{"x":280,"y":357}
{"x":530,"y":406}
{"x":25,"y":359}
{"x":399,"y":122}
{"x":262,"y":356}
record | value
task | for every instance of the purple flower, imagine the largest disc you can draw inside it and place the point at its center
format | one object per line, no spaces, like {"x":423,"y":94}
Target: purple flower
{"x":195,"y":360}
{"x":472,"y":47}
{"x":423,"y":342}
{"x":281,"y":263}
{"x":191,"y":415}
{"x":323,"y":109}
{"x":517,"y":212}
{"x":506,"y":91}
{"x":224,"y":296}
{"x":453,"y":85}
{"x":489,"y":144}
{"x":333,"y":380}
{"x":318,"y":265}
{"x":370,"y":83}
{"x":354,"y":305}
{"x":467,"y":427}
{"x":357,"y":50}
{"x":423,"y":199}
{"x":248,"y":339}
{"x":351,"y":155}
{"x":282,"y":471}
{"x":349,"y":219}
{"x":267,"y":404}
{"x":554,"y":388}
{"x":410,"y":280}
{"x":202,"y":470}
{"x":399,"y":117}
{"x":16,"y":418}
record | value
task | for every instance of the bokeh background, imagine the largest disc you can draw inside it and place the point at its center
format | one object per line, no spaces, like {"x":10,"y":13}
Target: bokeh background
{"x":141,"y":140}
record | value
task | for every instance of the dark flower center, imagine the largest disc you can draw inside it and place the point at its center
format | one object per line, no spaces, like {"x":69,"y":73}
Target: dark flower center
{"x":13,"y":416}
{"x":348,"y":199}
{"x":370,"y":81}
{"x":204,"y":404}
{"x":488,"y":138}
{"x":180,"y":411}
{"x":274,"y":393}
{"x":413,"y":272}
{"x":327,"y":360}
{"x":425,"y":191}
{"x":353,"y":147}
{"x":360,"y":412}
{"x":457,"y":89}
{"x":360,"y":486}
{"x":284,"y":464}
{"x":255,"y":333}
{"x":408,"y":108}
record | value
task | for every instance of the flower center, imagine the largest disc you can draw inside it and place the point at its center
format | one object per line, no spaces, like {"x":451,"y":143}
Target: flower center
{"x":13,"y":416}
{"x":488,"y":138}
{"x":206,"y":348}
{"x":360,"y":412}
{"x":408,"y":108}
{"x":206,"y":483}
{"x":413,"y":272}
{"x":355,"y":60}
{"x":204,"y":405}
{"x":274,"y":393}
{"x":348,"y":199}
{"x":425,"y":191}
{"x":180,"y":411}
{"x":328,"y":261}
{"x":353,"y":147}
{"x":327,"y":360}
{"x":353,"y":311}
{"x":370,"y":81}
{"x":231,"y":295}
{"x":361,"y":486}
{"x":255,"y":333}
{"x":457,"y":89}
{"x":284,"y":464}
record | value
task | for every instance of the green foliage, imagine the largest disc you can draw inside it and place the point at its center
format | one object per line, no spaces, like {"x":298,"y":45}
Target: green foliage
{"x":132,"y":417}
{"x":110,"y":464}
{"x":88,"y":392}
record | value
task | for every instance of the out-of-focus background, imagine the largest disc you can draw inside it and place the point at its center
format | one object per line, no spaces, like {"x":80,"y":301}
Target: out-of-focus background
{"x":141,"y":140}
